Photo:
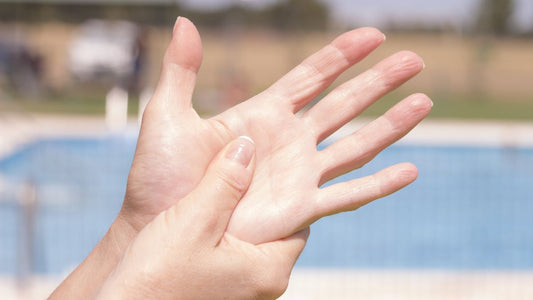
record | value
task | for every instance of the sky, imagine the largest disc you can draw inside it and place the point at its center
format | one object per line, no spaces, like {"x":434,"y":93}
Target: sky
{"x":379,"y":12}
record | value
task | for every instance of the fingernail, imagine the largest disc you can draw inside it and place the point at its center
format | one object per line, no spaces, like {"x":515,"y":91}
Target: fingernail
{"x":176,"y":25}
{"x":384,"y":37}
{"x":420,"y":100}
{"x":241,"y":150}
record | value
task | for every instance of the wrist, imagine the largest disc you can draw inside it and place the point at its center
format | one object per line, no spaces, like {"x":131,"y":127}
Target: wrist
{"x":87,"y":279}
{"x":118,"y":237}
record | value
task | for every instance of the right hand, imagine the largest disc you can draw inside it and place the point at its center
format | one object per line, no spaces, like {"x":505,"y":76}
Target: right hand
{"x":186,"y":253}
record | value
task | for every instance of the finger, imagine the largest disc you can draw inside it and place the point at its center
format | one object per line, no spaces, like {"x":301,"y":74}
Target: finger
{"x":313,"y":75}
{"x":354,"y":96}
{"x":353,"y":194}
{"x":180,"y":66}
{"x":210,"y":205}
{"x":290,"y":248}
{"x":356,"y":150}
{"x":281,"y":256}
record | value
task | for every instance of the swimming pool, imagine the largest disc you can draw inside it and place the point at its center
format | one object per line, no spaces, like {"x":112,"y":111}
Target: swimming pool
{"x":471,"y":208}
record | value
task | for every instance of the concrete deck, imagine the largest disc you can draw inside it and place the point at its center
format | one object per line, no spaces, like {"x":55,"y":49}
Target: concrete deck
{"x":314,"y":284}
{"x":16,"y":130}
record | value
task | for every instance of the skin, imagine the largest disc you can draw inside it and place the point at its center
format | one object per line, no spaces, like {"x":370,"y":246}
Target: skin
{"x":177,"y":257}
{"x":175,"y":145}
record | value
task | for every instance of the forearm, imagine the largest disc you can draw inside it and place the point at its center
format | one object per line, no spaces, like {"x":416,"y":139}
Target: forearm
{"x":120,"y":286}
{"x":85,"y":281}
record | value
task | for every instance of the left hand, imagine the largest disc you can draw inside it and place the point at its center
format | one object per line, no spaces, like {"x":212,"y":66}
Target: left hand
{"x":186,"y":253}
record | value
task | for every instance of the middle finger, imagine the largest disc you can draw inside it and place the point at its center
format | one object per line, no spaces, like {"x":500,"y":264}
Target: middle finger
{"x":356,"y":150}
{"x":353,"y":97}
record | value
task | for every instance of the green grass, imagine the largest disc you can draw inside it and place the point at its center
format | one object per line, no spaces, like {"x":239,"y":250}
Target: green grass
{"x":71,"y":104}
{"x":465,"y":107}
{"x":445,"y":106}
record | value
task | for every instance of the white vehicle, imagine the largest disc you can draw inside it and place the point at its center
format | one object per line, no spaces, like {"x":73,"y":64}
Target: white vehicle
{"x":104,"y":48}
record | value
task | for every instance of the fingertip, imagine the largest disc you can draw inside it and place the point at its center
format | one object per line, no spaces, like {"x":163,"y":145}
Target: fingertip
{"x":358,"y":43}
{"x":289,"y":249}
{"x":296,"y":244}
{"x":420,"y":102}
{"x":398,"y":68}
{"x":182,"y":24}
{"x":395,"y":178}
{"x":176,"y":24}
{"x":185,"y":48}
{"x":371,"y":32}
{"x":407,"y":172}
{"x":247,"y":138}
{"x":305,"y":233}
{"x":409,"y":58}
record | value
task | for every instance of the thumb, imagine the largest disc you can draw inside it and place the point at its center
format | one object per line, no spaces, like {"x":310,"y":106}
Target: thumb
{"x":227,"y":179}
{"x":180,"y":66}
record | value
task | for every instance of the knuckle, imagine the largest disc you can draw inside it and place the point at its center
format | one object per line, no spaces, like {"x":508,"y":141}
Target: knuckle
{"x":231,"y":182}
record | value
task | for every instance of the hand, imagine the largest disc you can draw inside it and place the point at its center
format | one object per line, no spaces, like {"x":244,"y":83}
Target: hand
{"x":175,"y":144}
{"x":185,"y":253}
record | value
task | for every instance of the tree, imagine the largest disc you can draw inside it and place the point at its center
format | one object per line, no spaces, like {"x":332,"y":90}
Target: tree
{"x":494,"y":16}
{"x":299,"y":15}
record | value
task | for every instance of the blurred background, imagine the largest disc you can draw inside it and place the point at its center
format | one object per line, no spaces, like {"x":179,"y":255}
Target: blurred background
{"x":64,"y":56}
{"x":76,"y":74}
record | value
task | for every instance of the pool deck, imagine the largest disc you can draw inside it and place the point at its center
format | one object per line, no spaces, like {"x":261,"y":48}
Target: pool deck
{"x":17,"y":130}
{"x":314,"y":284}
{"x":408,"y":284}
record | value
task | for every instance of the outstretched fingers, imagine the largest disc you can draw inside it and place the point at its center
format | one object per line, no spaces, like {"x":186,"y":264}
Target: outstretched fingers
{"x":351,"y":195}
{"x":353,"y":97}
{"x":307,"y":80}
{"x":354,"y":151}
{"x":181,"y":63}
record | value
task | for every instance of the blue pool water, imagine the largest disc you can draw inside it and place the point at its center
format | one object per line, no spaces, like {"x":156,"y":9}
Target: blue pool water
{"x":471,"y":208}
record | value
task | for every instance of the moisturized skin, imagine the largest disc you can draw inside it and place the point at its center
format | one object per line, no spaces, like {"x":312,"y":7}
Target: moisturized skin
{"x":175,"y":145}
{"x":186,"y":253}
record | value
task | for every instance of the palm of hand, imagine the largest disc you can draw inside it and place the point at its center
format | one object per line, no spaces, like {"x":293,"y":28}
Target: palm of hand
{"x":172,"y":156}
{"x":286,"y":175}
{"x":176,"y":146}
